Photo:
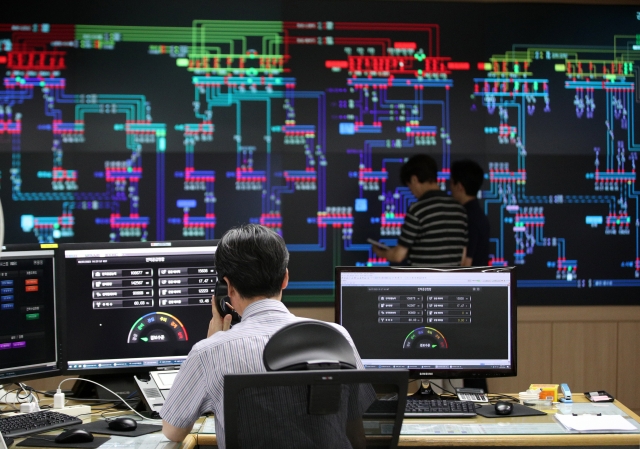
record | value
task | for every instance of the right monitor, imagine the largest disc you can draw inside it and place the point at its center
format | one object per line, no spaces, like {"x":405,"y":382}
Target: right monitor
{"x":453,"y":322}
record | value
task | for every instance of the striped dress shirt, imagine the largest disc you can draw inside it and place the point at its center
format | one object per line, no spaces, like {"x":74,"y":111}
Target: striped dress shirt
{"x":198,"y":387}
{"x":435,"y":230}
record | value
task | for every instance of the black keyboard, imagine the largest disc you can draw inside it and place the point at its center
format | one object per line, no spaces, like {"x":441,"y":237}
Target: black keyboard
{"x":36,"y":422}
{"x":424,"y":408}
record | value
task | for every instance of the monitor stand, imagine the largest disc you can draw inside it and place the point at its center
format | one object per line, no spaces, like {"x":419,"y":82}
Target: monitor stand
{"x":121,"y":384}
{"x":425,"y":391}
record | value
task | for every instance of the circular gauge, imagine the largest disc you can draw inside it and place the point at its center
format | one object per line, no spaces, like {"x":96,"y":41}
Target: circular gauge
{"x":157,"y":327}
{"x":425,"y":338}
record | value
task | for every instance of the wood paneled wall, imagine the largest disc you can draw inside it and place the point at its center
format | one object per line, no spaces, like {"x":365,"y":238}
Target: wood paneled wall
{"x":590,"y":348}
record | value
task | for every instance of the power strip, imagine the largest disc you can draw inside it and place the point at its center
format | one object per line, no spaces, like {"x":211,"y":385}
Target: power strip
{"x":74,"y":410}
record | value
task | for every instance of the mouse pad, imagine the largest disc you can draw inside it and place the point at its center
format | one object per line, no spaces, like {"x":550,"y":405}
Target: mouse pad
{"x":38,"y":442}
{"x":489,"y":411}
{"x":103,"y":428}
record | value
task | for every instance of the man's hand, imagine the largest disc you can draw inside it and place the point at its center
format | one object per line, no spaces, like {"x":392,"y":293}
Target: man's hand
{"x":217,"y":322}
{"x":380,"y":252}
{"x":396,"y":254}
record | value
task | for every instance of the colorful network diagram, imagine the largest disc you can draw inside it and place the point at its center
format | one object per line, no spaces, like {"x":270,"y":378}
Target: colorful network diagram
{"x":125,"y":132}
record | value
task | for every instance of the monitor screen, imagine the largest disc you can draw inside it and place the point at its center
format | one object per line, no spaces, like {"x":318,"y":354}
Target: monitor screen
{"x":28,"y":345}
{"x":134,"y":306}
{"x":436,"y":322}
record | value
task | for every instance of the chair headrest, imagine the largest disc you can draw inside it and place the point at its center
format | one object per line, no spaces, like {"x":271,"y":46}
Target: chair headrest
{"x":308,"y":345}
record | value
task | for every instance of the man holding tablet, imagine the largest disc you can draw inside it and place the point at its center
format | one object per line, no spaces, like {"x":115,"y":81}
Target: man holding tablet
{"x":434,"y":232}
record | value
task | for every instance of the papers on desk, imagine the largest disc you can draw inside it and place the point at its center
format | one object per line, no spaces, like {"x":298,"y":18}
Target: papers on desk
{"x":595,"y":423}
{"x":149,"y":441}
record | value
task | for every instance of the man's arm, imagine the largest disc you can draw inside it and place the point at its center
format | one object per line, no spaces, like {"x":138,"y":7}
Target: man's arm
{"x":174,"y":433}
{"x":179,"y":388}
{"x":466,"y":261}
{"x":396,"y":254}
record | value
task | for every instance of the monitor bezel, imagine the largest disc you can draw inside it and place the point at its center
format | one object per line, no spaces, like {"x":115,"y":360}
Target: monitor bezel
{"x":63,"y":336}
{"x":43,"y":372}
{"x":446,"y":373}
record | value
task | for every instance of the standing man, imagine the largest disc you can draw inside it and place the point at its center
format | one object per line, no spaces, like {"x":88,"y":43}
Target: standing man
{"x":466,"y":180}
{"x":434,"y":232}
{"x":252,"y":260}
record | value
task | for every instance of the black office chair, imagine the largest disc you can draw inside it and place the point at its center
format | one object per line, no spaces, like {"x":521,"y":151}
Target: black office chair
{"x":313,"y":403}
{"x":309,"y":345}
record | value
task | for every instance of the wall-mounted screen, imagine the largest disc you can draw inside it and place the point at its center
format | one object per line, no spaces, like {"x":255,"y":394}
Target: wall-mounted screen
{"x":164,"y":120}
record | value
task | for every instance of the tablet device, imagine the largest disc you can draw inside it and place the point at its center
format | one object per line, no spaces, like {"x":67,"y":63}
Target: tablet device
{"x":378,"y":244}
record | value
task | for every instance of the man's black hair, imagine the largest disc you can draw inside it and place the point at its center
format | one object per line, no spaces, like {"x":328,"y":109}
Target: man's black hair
{"x":423,"y":166}
{"x":469,"y":174}
{"x":254,"y":259}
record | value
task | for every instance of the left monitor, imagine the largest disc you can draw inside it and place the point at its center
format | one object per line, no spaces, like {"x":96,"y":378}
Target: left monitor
{"x":133,"y":307}
{"x":28,"y":339}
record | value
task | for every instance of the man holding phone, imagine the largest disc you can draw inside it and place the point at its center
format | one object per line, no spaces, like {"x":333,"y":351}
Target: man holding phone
{"x":434,"y":232}
{"x":252,"y":260}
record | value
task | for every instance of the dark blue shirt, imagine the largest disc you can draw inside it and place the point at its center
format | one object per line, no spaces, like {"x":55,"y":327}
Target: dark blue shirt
{"x":478,"y":223}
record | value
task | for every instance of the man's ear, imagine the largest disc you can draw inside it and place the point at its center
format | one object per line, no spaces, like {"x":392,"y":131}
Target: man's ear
{"x":230,"y":288}
{"x":285,"y":281}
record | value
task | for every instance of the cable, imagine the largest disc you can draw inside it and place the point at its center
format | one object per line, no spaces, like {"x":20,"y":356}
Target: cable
{"x":29,"y":393}
{"x":442,"y":388}
{"x":11,"y":404}
{"x":59,"y":391}
{"x":497,"y":397}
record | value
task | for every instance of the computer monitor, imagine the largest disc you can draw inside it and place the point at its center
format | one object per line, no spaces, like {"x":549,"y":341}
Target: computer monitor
{"x":134,"y":307}
{"x":28,"y":340}
{"x":435,"y":322}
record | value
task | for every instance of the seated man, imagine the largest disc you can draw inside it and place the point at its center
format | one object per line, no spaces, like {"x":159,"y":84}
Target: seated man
{"x":252,"y":260}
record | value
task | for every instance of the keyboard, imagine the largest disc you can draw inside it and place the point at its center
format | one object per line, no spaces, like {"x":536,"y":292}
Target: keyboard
{"x":424,"y":408}
{"x":36,"y":422}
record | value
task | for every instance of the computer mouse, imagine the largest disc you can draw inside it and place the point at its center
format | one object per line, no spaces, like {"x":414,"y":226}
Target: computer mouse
{"x":503,"y":408}
{"x":74,"y":436}
{"x":123,"y":424}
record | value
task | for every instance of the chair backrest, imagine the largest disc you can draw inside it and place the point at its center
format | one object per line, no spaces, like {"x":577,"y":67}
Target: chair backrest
{"x":308,"y":345}
{"x":315,"y":398}
{"x":297,"y":409}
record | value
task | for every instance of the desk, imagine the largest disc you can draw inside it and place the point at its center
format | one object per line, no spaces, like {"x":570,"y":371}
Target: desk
{"x":204,"y":438}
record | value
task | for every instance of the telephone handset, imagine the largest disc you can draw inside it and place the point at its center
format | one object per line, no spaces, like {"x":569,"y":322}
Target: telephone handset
{"x":221,"y":293}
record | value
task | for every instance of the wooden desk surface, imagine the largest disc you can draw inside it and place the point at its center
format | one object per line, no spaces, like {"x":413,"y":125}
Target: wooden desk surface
{"x":430,"y":440}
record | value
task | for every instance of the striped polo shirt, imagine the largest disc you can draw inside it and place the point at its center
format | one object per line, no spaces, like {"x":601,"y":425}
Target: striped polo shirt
{"x":435,"y":230}
{"x":198,"y":387}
